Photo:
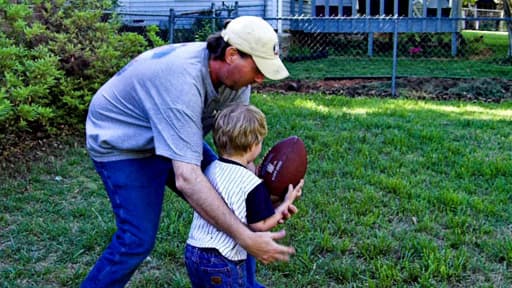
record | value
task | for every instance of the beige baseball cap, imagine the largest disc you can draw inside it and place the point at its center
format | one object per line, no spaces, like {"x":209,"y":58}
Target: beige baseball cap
{"x":254,"y":36}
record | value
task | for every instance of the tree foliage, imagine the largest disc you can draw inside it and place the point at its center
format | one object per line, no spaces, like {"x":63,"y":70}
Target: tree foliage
{"x":53,"y":56}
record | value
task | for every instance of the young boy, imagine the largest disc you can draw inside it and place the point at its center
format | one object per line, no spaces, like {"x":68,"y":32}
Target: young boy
{"x":211,"y":256}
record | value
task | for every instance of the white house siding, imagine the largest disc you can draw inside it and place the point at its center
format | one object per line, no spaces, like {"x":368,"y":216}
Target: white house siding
{"x":156,"y":12}
{"x":254,"y":8}
{"x":143,"y":13}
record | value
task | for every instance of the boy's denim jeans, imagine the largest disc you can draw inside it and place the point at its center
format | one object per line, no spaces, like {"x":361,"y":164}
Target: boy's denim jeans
{"x":250,"y":265}
{"x":135,"y":188}
{"x":206,"y":267}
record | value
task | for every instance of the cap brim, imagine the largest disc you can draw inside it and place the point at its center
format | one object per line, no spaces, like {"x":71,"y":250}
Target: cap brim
{"x":273,"y":69}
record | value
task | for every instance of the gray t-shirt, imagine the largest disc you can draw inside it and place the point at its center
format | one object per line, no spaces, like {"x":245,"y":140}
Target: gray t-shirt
{"x":163,"y":102}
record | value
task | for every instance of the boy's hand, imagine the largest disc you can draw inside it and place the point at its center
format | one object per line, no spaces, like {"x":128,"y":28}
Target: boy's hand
{"x":291,"y":195}
{"x":294,"y":193}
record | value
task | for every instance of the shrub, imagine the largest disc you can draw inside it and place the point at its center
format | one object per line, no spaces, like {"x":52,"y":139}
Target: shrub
{"x":54,"y":55}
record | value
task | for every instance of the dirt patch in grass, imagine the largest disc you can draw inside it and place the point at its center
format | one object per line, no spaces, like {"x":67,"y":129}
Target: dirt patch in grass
{"x":18,"y":152}
{"x":494,"y":90}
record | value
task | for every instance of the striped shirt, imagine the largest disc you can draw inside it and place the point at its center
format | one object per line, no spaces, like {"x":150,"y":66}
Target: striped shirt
{"x":244,"y":193}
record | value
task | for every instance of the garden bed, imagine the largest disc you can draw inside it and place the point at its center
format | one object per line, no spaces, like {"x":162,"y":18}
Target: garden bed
{"x":494,"y":90}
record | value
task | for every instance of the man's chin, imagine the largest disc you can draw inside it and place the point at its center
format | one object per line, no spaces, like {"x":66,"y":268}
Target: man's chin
{"x":234,"y":87}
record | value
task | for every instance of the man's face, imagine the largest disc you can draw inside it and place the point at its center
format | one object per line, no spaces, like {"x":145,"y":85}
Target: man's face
{"x":242,"y":71}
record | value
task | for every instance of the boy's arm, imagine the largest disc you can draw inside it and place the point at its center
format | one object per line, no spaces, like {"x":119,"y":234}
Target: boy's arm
{"x":287,"y":214}
{"x":272,"y":221}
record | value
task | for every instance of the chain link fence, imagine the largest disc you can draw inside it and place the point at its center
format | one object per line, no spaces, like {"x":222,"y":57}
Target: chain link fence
{"x":393,"y":50}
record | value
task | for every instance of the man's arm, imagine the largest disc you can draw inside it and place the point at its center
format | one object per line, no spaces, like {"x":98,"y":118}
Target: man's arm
{"x":198,"y":191}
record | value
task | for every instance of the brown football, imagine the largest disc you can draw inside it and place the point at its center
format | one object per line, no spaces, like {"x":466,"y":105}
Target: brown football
{"x":285,"y":163}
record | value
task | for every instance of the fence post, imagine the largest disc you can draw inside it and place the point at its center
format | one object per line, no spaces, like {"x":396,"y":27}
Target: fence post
{"x":368,"y":25}
{"x":213,"y":17}
{"x":171,"y":25}
{"x":370,"y":44}
{"x":395,"y":56}
{"x":502,"y":23}
{"x":236,"y":10}
{"x":454,"y":44}
{"x":463,"y":15}
{"x":454,"y":23}
{"x":477,"y":23}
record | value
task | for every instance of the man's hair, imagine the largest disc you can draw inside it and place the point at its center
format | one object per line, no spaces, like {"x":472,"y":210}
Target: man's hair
{"x":237,"y":128}
{"x":217,"y":46}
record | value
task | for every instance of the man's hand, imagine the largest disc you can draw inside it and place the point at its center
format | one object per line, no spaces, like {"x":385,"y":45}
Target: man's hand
{"x":262,"y":246}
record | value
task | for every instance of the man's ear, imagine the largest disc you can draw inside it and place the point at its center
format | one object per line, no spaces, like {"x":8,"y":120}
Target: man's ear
{"x":231,"y":53}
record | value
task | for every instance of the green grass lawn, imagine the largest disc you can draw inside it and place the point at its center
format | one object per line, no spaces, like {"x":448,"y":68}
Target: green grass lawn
{"x":487,"y":59}
{"x":406,"y":67}
{"x":399,"y":193}
{"x":497,"y":40}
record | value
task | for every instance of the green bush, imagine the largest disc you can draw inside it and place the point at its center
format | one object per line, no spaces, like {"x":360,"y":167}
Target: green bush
{"x":54,"y":55}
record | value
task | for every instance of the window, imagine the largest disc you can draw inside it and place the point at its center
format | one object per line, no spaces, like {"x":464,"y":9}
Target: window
{"x":334,"y":11}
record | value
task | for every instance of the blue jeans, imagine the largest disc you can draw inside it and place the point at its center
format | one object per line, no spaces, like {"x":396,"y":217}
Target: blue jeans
{"x":135,"y":188}
{"x":206,"y":267}
{"x":250,"y":264}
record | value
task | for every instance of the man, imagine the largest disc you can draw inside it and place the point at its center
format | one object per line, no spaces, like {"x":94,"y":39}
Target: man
{"x":145,"y":130}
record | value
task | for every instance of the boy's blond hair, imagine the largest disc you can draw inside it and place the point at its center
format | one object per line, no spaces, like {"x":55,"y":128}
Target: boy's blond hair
{"x":237,"y":128}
